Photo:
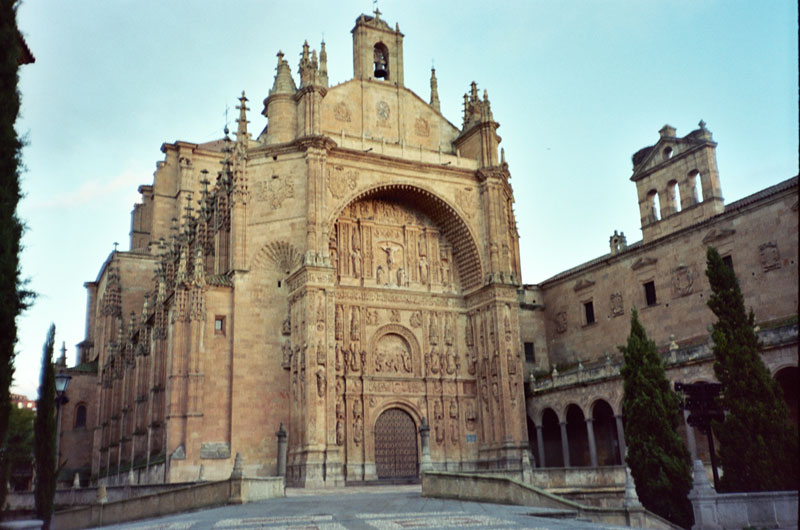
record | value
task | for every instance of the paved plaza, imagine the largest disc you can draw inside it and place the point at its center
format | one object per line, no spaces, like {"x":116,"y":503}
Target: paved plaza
{"x":367,"y":508}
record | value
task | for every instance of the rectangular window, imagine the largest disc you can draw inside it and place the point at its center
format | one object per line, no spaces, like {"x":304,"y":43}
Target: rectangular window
{"x":530,"y":354}
{"x":219,"y":325}
{"x":650,"y":293}
{"x":588,"y":308}
{"x":728,"y":260}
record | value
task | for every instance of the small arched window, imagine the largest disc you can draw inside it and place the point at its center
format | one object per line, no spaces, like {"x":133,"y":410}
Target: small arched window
{"x":380,"y":56}
{"x":675,"y":195}
{"x":694,"y":185}
{"x":654,"y":205}
{"x":80,"y":416}
{"x":666,"y":153}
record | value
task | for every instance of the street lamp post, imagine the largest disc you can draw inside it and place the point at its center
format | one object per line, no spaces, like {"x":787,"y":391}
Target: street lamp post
{"x":62,"y":382}
{"x":701,"y":402}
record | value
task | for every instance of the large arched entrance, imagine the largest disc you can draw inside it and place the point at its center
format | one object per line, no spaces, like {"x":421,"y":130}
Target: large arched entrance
{"x":395,"y":445}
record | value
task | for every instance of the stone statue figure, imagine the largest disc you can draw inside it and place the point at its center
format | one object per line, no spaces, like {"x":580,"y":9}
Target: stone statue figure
{"x":423,"y":270}
{"x":380,"y":276}
{"x":401,"y":277}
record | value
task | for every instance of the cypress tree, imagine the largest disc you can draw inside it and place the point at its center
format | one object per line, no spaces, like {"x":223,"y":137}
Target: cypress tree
{"x":758,"y":441}
{"x":45,"y":435}
{"x":12,"y":296}
{"x":657,"y":456}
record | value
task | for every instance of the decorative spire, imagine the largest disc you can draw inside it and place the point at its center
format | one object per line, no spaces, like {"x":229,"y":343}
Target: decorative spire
{"x":323,"y":65}
{"x":284,"y":83}
{"x":434,"y":90}
{"x":242,"y":136}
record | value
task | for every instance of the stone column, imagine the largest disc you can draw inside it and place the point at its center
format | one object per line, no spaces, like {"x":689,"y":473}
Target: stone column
{"x":592,"y":446}
{"x":690,"y":440}
{"x":623,"y":449}
{"x":540,"y":446}
{"x":424,"y":439}
{"x":281,"y":434}
{"x":564,"y":444}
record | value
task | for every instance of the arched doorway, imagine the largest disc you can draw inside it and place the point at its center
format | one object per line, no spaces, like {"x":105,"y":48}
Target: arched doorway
{"x":578,"y":438}
{"x":551,"y":435}
{"x":605,"y":434}
{"x":788,"y":379}
{"x":396,"y":445}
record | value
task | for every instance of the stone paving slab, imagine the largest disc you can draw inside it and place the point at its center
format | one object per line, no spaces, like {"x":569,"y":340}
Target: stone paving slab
{"x":364,"y":508}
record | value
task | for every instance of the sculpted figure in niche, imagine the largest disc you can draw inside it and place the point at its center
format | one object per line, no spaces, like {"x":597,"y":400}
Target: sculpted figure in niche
{"x":433,"y":335}
{"x":401,"y":277}
{"x":338,"y":323}
{"x":407,"y":361}
{"x":320,"y":353}
{"x":416,"y":319}
{"x":471,"y":416}
{"x":512,"y":363}
{"x":357,"y":262}
{"x":453,"y":409}
{"x":423,"y":270}
{"x":286,"y":349}
{"x":321,"y":384}
{"x":358,"y":425}
{"x":433,"y":362}
{"x":286,"y":327}
{"x":445,"y":272}
{"x":448,"y":329}
{"x":339,"y":433}
{"x":380,"y":276}
{"x":507,"y":318}
{"x":320,"y":307}
{"x":355,"y":325}
{"x":421,"y":245}
{"x":471,"y":361}
{"x":451,"y":361}
{"x":355,"y":358}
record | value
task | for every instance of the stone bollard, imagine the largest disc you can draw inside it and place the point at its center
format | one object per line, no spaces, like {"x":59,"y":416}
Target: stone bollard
{"x":424,"y":437}
{"x":102,"y":495}
{"x":76,"y":482}
{"x":281,"y":434}
{"x":201,"y":475}
{"x":237,"y":475}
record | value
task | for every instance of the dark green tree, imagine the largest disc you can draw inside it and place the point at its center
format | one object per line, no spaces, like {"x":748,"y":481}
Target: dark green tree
{"x":757,"y":440}
{"x":19,"y":447}
{"x":657,"y":456}
{"x":45,"y":434}
{"x":12,"y":295}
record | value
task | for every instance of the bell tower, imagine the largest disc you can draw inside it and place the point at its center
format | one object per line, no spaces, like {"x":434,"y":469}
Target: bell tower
{"x":377,"y":50}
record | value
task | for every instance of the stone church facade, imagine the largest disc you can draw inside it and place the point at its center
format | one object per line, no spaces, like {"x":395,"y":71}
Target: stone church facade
{"x":352,"y":273}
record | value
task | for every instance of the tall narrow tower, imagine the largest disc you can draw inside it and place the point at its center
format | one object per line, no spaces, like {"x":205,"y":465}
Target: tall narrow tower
{"x":377,"y":50}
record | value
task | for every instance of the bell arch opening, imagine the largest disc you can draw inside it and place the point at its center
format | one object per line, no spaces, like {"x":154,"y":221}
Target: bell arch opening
{"x":398,"y":235}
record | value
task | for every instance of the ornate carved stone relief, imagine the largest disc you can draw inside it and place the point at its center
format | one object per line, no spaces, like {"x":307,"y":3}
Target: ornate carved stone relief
{"x":421,"y":127}
{"x":561,"y":321}
{"x":617,"y":306}
{"x":341,"y":112}
{"x":392,"y":355}
{"x":274,"y":191}
{"x":682,"y":281}
{"x":341,"y":180}
{"x":769,"y":256}
{"x":382,"y":110}
{"x":467,"y":200}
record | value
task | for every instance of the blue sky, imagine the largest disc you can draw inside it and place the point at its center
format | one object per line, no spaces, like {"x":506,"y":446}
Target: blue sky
{"x":577,"y":87}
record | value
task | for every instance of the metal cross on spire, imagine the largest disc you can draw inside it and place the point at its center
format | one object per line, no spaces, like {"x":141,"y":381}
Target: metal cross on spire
{"x":375,"y":9}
